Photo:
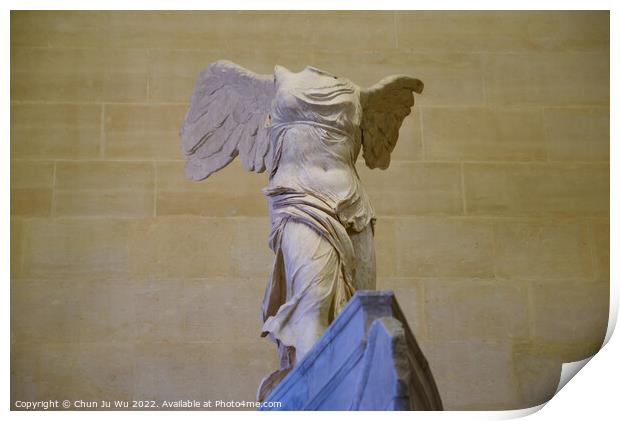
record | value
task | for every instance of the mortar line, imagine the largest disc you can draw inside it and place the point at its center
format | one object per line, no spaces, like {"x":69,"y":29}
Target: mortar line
{"x":148,"y":75}
{"x":483,"y":76}
{"x":558,"y":163}
{"x":395,"y":29}
{"x":545,"y":127}
{"x":593,"y":261}
{"x":464,"y":107}
{"x":417,"y":50}
{"x":463,"y":200}
{"x":155,"y":183}
{"x":425,"y":317}
{"x":102,"y":133}
{"x":422,"y":142}
{"x":22,"y":247}
{"x":522,"y":219}
{"x":494,"y":249}
{"x":53,"y":198}
{"x":98,"y":102}
{"x":530,"y":310}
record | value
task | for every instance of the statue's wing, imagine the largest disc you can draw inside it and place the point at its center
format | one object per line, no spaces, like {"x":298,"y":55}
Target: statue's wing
{"x":384,"y":107}
{"x":226,"y":118}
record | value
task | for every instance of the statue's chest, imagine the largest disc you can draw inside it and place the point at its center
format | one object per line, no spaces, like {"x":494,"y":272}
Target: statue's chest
{"x":309,"y":96}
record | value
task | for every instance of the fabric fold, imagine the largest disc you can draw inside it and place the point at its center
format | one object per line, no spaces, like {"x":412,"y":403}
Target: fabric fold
{"x":289,"y":307}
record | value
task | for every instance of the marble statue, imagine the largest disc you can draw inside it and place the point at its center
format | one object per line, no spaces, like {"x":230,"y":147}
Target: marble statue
{"x":306,"y":129}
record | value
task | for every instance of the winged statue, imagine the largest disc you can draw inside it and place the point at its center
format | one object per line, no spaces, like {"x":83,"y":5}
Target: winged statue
{"x":306,"y":129}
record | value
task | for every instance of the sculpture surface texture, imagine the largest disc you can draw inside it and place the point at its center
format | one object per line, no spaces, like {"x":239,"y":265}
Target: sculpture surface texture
{"x":306,"y":129}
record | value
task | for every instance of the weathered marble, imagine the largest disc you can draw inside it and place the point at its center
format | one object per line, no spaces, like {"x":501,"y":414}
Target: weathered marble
{"x":306,"y":129}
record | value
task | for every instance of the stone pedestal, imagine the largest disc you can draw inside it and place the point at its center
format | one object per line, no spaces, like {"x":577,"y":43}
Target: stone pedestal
{"x":368,"y":359}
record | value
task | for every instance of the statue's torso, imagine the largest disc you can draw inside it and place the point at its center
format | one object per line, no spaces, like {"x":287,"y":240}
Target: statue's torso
{"x":315,"y":137}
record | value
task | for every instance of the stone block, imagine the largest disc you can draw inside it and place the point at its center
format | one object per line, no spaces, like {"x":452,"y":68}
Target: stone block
{"x":31,"y":202}
{"x":17,"y":232}
{"x":513,"y":31}
{"x":480,"y":134}
{"x":51,"y":131}
{"x":112,"y":203}
{"x":67,"y":311}
{"x":143,"y":131}
{"x":180,"y":247}
{"x":92,"y":371}
{"x":105,"y":175}
{"x":486,"y":310}
{"x":232,"y":191}
{"x":32,"y":174}
{"x":201,"y":371}
{"x":600,"y":247}
{"x":85,"y":75}
{"x":538,"y":374}
{"x":385,"y":247}
{"x":542,"y":250}
{"x":207,"y":310}
{"x":577,"y":134}
{"x":440,"y":247}
{"x":547,"y":79}
{"x":473,"y":374}
{"x":571,"y":312}
{"x":80,"y":248}
{"x":54,"y":28}
{"x":413,"y":188}
{"x":537,"y":189}
{"x":104,"y":188}
{"x":247,"y":30}
{"x":251,"y":255}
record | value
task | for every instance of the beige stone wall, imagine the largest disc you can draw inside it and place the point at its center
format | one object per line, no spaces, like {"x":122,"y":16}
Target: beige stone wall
{"x":129,"y":282}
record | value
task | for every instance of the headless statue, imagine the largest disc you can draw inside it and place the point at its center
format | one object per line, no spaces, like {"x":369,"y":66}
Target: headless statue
{"x":306,"y":129}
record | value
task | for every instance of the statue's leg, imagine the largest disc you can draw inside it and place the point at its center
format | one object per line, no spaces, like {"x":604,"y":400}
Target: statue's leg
{"x":313,"y":277}
{"x":311,"y":266}
{"x":271,"y":380}
{"x":312,"y":273}
{"x":365,"y":264}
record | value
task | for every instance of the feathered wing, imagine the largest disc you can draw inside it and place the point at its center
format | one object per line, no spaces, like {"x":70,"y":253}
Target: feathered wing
{"x":226,"y":118}
{"x":384,"y":107}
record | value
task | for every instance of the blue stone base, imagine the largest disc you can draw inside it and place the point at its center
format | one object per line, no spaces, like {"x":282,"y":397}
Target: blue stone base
{"x":368,"y":359}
